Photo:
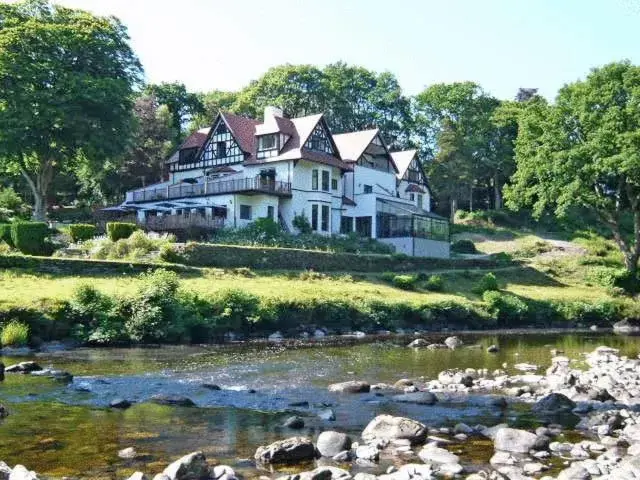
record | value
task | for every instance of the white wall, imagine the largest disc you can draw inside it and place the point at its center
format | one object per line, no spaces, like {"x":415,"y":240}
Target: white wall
{"x":426,"y":197}
{"x":419,"y":247}
{"x":382,"y":182}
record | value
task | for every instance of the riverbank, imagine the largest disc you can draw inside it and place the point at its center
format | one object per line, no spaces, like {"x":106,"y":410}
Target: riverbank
{"x":453,"y":416}
{"x":211,"y":305}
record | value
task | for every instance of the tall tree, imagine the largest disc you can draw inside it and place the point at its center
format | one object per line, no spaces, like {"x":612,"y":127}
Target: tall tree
{"x":67,"y":79}
{"x":182,"y":104}
{"x":353,"y":98}
{"x":585,"y":151}
{"x":457,"y":118}
{"x":212,"y":102}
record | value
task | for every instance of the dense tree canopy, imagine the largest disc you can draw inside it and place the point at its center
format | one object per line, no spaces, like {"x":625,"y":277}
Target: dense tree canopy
{"x":67,"y":80}
{"x":585,"y":151}
{"x":182,"y":105}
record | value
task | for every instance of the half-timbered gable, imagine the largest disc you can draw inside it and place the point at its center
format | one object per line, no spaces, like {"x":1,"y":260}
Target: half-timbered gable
{"x":320,"y":140}
{"x":221,"y":148}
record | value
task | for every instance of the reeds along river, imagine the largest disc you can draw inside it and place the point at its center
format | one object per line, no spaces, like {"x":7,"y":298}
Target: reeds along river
{"x":69,"y":430}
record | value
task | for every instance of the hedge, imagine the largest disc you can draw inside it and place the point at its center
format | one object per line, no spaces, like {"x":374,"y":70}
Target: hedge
{"x":5,"y":234}
{"x":119,"y":230}
{"x":80,"y":232}
{"x":233,"y":256}
{"x":80,"y":266}
{"x":31,"y":237}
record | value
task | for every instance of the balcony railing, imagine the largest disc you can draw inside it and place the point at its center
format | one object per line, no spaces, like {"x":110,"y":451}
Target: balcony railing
{"x":239,"y":185}
{"x":180,"y":222}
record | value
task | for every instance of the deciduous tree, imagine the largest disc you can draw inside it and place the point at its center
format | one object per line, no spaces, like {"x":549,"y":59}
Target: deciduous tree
{"x":67,"y":79}
{"x":584,"y":150}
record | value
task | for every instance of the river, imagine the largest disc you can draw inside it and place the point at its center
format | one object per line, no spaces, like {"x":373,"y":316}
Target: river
{"x":69,"y":430}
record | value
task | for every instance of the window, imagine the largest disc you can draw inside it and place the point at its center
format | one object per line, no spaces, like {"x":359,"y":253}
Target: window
{"x":267,"y":142}
{"x":314,"y":218}
{"x":221,"y":149}
{"x":325,"y":218}
{"x":270,"y":212}
{"x":325,"y":180}
{"x":363,"y":226}
{"x":187,"y":155}
{"x":245,"y":212}
{"x":368,"y":189}
{"x":314,"y":180}
{"x":334,"y":184}
{"x":419,"y":201}
{"x":346,"y":224}
{"x":412,"y":197}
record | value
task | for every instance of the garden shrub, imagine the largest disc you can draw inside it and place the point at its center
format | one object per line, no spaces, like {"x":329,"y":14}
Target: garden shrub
{"x":302,"y":224}
{"x":506,"y":308}
{"x":488,"y":282}
{"x":263,"y":229}
{"x":81,"y":232}
{"x":169,"y":254}
{"x":120,"y":230}
{"x":5,"y":234}
{"x":463,"y":246}
{"x":388,"y":276}
{"x":156,"y":313}
{"x":31,"y":238}
{"x":405,"y":282}
{"x":234,"y":310}
{"x":14,"y":334}
{"x":435,"y":283}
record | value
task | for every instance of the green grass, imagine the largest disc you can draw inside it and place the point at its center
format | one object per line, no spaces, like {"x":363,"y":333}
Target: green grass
{"x":14,"y":334}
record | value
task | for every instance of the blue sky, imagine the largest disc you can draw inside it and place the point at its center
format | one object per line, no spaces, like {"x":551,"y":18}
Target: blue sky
{"x":501,"y":44}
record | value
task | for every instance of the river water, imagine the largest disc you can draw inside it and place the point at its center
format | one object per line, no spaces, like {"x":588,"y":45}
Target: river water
{"x":68,"y":430}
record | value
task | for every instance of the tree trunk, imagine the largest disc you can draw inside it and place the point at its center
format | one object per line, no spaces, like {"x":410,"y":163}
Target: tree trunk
{"x":454,"y":208}
{"x":497,"y":194}
{"x":39,"y":189}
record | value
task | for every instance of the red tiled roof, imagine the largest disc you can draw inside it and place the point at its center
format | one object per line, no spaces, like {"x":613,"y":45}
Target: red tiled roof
{"x":243,"y":130}
{"x":196,"y":139}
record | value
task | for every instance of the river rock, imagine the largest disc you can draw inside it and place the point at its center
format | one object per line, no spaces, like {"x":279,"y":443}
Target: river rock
{"x":493,"y":349}
{"x":364,"y":476}
{"x":190,"y":467}
{"x":453,"y":342}
{"x":403,"y":383}
{"x":223,"y":472}
{"x":328,"y":415}
{"x":275,"y":337}
{"x":388,"y":427}
{"x":23,"y":367}
{"x":172,"y":400}
{"x":20,"y":472}
{"x":127,"y":453}
{"x":433,"y":454}
{"x":352,"y":386}
{"x":554,"y":403}
{"x":5,"y":471}
{"x":138,"y":476}
{"x":514,"y":440}
{"x":161,"y":476}
{"x":367,"y":452}
{"x":57,"y":375}
{"x":120,"y":403}
{"x":1,"y":372}
{"x":627,"y":327}
{"x":414,"y":471}
{"x":4,"y":413}
{"x":574,"y":472}
{"x":291,"y":450}
{"x":418,"y":343}
{"x":421,"y":398}
{"x":211,"y":386}
{"x":331,"y":443}
{"x":320,"y":473}
{"x":294,"y":422}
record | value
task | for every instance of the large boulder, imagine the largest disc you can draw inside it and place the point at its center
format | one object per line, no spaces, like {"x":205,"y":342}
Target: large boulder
{"x":574,"y":472}
{"x":453,"y":342}
{"x":554,"y":403}
{"x":421,"y":398}
{"x":172,"y":400}
{"x":331,"y":443}
{"x":291,"y":450}
{"x":514,"y":440}
{"x":352,"y":386}
{"x":394,"y":428}
{"x":223,"y":472}
{"x":418,"y":343}
{"x":5,"y":471}
{"x":627,"y":327}
{"x":138,"y":476}
{"x":190,"y":467}
{"x":320,"y":473}
{"x":20,"y":472}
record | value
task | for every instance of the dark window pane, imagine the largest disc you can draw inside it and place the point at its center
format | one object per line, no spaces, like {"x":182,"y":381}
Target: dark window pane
{"x":314,"y":217}
{"x":368,"y":189}
{"x":314,"y":180}
{"x":325,"y":180}
{"x":245,"y":212}
{"x":325,"y":218}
